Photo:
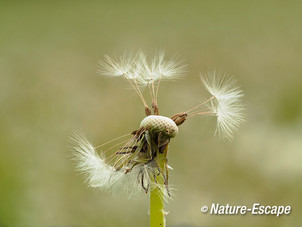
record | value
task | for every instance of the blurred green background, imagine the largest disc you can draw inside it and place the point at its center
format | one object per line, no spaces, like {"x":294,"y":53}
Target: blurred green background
{"x":49,"y":87}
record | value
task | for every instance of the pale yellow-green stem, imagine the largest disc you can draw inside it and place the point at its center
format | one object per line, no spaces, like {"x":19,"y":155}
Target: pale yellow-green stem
{"x":157,"y":213}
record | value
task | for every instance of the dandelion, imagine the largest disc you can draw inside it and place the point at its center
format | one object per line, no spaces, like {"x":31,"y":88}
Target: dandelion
{"x":139,"y":163}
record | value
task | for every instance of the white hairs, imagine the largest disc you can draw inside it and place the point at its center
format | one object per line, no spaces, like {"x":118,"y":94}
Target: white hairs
{"x":226,"y":103}
{"x":138,"y":67}
{"x":101,"y":175}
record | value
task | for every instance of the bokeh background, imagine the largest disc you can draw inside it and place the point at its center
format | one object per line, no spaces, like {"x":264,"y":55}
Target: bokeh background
{"x":49,"y":88}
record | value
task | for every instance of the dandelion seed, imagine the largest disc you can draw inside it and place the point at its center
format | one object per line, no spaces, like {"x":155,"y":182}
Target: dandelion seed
{"x":228,"y":108}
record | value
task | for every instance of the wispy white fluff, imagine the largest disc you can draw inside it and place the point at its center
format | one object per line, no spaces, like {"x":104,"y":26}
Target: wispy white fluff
{"x":159,"y":67}
{"x":142,"y":69}
{"x":98,"y":173}
{"x":171,"y":68}
{"x":101,"y":175}
{"x":226,"y":103}
{"x":117,"y":66}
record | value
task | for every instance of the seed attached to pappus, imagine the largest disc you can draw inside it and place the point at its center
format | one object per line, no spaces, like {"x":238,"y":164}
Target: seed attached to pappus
{"x":162,"y":124}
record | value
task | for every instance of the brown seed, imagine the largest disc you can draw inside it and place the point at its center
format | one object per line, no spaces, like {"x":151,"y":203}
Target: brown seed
{"x":147,"y":111}
{"x":179,"y":118}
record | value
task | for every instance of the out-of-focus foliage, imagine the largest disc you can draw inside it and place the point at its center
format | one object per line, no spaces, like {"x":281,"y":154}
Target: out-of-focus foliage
{"x":49,"y":88}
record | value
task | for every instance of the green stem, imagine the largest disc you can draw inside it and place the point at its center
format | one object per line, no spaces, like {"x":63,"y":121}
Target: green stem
{"x":157,"y":213}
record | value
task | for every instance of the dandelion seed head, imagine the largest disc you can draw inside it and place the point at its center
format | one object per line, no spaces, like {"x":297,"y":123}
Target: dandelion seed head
{"x":141,"y":164}
{"x":160,"y":124}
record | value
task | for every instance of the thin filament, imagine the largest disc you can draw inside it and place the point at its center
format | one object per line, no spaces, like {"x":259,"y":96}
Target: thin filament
{"x":201,"y":109}
{"x":140,"y":93}
{"x":112,"y":140}
{"x":129,"y":143}
{"x":137,"y":90}
{"x":153,"y":91}
{"x":201,"y":104}
{"x":121,"y":159}
{"x":115,"y":146}
{"x":157,"y":87}
{"x":208,"y":113}
{"x":150,"y":90}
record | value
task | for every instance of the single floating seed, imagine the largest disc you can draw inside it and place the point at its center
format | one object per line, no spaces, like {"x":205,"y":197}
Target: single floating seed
{"x":160,"y":124}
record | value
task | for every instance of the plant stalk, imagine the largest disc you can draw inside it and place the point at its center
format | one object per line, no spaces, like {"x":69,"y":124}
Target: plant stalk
{"x":157,"y":213}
